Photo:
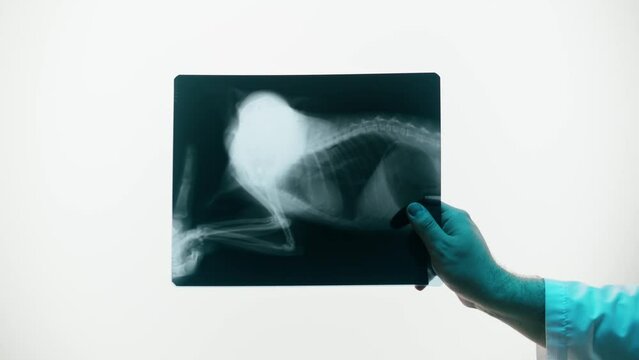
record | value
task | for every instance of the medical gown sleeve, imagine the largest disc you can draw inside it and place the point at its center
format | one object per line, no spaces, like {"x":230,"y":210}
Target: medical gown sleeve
{"x":585,"y":322}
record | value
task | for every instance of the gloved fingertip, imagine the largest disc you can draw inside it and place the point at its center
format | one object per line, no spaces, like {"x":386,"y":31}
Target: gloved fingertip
{"x":415,"y":209}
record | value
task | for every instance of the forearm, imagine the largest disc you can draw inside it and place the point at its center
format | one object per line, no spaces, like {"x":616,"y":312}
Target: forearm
{"x":519,"y":302}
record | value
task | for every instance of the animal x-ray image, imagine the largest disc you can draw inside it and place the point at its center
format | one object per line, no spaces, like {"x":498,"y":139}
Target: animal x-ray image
{"x":303,"y":179}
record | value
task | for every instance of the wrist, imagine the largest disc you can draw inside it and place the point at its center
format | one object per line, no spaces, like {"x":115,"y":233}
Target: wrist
{"x":494,"y":289}
{"x":510,"y":295}
{"x":519,"y":302}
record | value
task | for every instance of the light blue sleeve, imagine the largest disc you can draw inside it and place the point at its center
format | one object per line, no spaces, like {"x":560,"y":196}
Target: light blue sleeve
{"x":585,"y":322}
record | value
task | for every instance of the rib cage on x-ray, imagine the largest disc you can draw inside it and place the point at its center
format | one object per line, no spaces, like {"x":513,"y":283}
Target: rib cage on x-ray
{"x":354,"y":173}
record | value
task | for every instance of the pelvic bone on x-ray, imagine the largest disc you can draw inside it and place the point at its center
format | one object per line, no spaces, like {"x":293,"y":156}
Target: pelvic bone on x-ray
{"x":351,"y":172}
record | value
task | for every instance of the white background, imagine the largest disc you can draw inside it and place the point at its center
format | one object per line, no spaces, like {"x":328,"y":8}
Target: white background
{"x":540,"y":124}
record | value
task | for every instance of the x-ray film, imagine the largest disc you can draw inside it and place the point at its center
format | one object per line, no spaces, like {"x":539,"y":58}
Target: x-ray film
{"x":303,"y":179}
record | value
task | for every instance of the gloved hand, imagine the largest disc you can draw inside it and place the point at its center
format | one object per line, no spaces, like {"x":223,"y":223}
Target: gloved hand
{"x":458,"y":253}
{"x":460,"y":257}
